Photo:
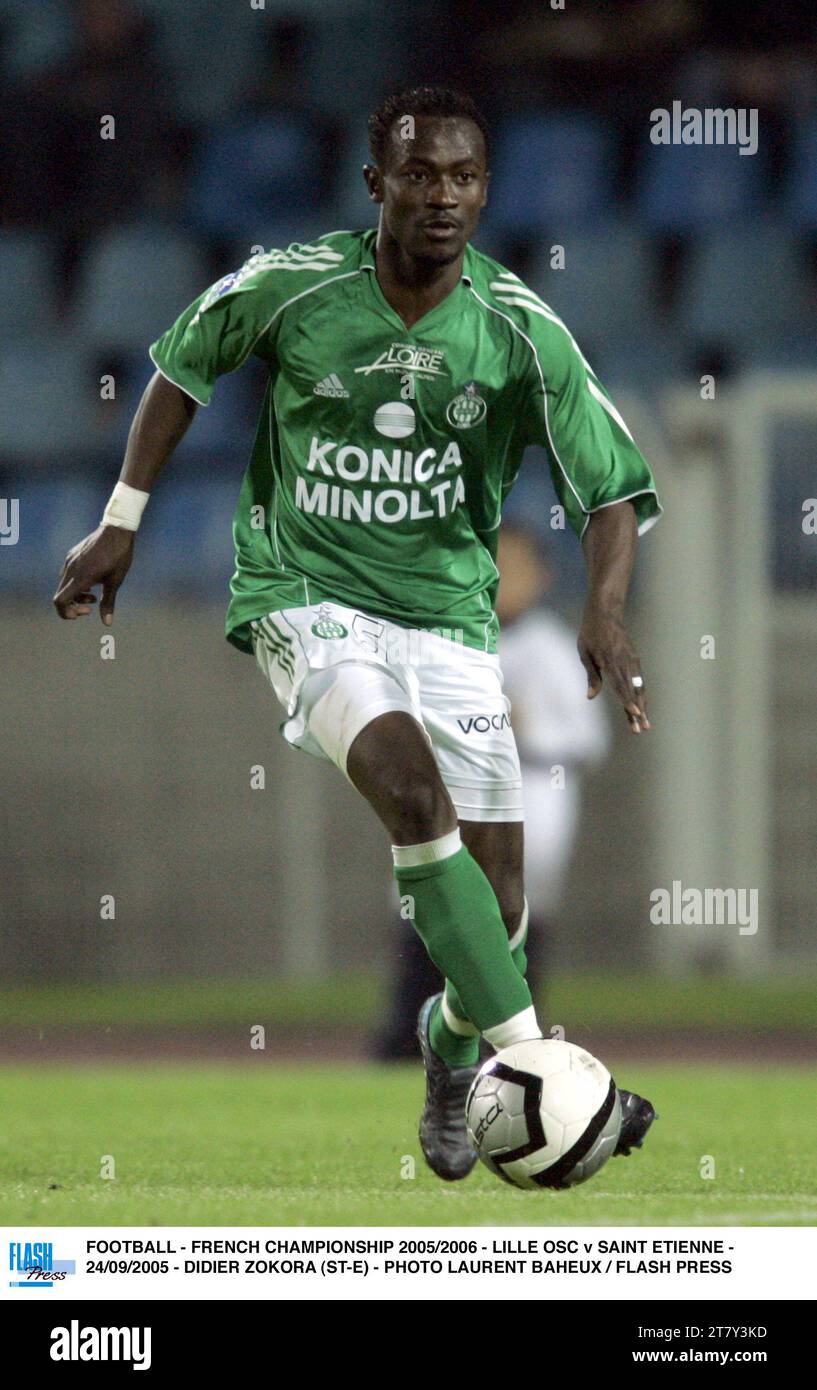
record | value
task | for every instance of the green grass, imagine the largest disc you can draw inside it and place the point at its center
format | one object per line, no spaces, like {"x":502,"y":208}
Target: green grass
{"x":608,"y":1000}
{"x":265,"y":1144}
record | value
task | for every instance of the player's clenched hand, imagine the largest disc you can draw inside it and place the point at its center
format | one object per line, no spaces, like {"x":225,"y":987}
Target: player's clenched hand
{"x":103,"y":558}
{"x":606,"y":650}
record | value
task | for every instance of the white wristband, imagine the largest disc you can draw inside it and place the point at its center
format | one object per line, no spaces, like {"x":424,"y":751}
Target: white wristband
{"x":125,"y":507}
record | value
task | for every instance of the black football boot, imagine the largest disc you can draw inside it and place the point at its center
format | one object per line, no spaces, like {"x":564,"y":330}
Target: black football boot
{"x":443,"y":1136}
{"x":637,"y":1115}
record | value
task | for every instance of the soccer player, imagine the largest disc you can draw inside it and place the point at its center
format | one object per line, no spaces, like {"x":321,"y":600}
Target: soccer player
{"x":407,"y":374}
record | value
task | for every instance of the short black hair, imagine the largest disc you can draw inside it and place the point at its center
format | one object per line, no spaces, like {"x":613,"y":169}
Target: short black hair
{"x":421,"y":101}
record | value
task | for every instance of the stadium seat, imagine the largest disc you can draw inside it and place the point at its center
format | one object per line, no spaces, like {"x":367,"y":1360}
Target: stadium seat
{"x":54,"y":514}
{"x":645,"y":360}
{"x":188,"y":543}
{"x":136,"y":281}
{"x":351,"y":207}
{"x":253,"y":174}
{"x":791,"y":352}
{"x":801,"y":196}
{"x":685,"y":188}
{"x":744,"y":285}
{"x":603,"y":289}
{"x":47,"y":406}
{"x":358,"y":42}
{"x":26,"y":287}
{"x":212,"y":63}
{"x":550,"y":170}
{"x":221,"y":435}
{"x":185,"y":545}
{"x":36,"y":36}
{"x":529,"y":505}
{"x":351,"y":42}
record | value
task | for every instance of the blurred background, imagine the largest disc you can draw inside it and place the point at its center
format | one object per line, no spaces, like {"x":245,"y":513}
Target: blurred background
{"x":147,"y":882}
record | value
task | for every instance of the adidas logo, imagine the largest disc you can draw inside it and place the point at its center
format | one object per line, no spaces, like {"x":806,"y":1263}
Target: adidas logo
{"x":331,"y":386}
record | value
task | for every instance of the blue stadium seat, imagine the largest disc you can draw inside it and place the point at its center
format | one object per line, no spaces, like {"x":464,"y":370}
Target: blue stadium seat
{"x":221,"y":434}
{"x":744,"y":285}
{"x":603,"y":289}
{"x":53,"y":515}
{"x":685,"y":188}
{"x":801,"y":195}
{"x":47,"y":406}
{"x":136,"y":281}
{"x":354,"y":45}
{"x":791,"y":352}
{"x":186,"y":542}
{"x":253,"y":174}
{"x":529,"y":505}
{"x":351,"y":206}
{"x":37,"y":36}
{"x":646,"y":360}
{"x":549,"y":170}
{"x":348,"y":47}
{"x":26,"y":285}
{"x":213,"y":61}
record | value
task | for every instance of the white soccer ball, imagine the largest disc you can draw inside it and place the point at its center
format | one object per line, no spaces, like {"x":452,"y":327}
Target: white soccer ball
{"x":543,"y":1114}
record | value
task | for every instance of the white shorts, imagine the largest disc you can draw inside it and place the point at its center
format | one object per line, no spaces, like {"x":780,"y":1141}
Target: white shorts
{"x":334,"y":669}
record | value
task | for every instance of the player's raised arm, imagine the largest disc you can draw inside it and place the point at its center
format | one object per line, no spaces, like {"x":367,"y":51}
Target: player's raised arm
{"x":104,"y":557}
{"x":609,"y":544}
{"x":603,"y":483}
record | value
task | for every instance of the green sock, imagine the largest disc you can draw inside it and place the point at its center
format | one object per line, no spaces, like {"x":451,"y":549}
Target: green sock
{"x":456,"y":913}
{"x":457,"y":1049}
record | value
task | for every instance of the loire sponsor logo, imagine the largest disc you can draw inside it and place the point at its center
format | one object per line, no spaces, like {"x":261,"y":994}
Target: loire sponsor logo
{"x":408,"y":357}
{"x":75,"y":1343}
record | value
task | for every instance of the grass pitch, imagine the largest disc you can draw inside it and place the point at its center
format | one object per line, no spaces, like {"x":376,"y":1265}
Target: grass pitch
{"x":627,"y":1001}
{"x":267,"y":1144}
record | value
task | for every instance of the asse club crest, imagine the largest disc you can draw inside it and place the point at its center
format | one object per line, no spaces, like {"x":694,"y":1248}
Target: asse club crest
{"x":327,"y":626}
{"x":467,"y":409}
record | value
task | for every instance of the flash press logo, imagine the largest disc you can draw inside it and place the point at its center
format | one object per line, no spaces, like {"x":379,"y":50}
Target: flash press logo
{"x":32,"y":1265}
{"x":75,"y":1343}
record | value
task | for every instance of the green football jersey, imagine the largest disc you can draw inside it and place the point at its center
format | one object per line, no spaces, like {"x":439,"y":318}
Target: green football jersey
{"x":384,"y":454}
